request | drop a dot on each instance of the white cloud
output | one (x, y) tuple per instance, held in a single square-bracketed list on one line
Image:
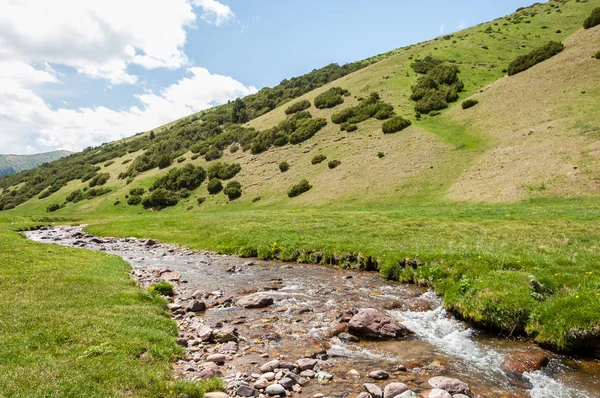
[(214, 12), (462, 25), (442, 28), (75, 129)]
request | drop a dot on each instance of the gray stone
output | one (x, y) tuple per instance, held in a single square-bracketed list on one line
[(364, 395), (228, 333), (307, 373), (453, 386), (231, 347), (373, 390), (287, 383), (216, 395), (437, 393), (306, 363), (216, 358), (270, 376), (270, 366), (460, 396), (409, 394), (246, 391), (196, 306), (297, 379), (372, 323), (261, 383), (393, 389), (204, 333), (323, 377), (256, 300), (275, 389), (379, 375)]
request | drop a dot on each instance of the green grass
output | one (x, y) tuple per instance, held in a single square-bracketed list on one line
[(481, 258), (73, 324)]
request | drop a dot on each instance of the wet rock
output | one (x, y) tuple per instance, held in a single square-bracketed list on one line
[(323, 377), (248, 264), (337, 330), (151, 242), (196, 306), (392, 304), (97, 240), (174, 307), (306, 363), (275, 389), (364, 395), (373, 390), (170, 276), (204, 333), (372, 323), (207, 373), (379, 375), (216, 358), (297, 379), (518, 363), (182, 342), (411, 394), (438, 393), (246, 391), (451, 385), (416, 305), (270, 366), (228, 333), (216, 395), (257, 300), (394, 389)]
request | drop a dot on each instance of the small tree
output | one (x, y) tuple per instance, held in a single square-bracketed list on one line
[(395, 124), (284, 166), (215, 186), (593, 19), (299, 188)]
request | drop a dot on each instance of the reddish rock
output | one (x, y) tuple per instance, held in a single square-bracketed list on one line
[(518, 363), (372, 323), (337, 330)]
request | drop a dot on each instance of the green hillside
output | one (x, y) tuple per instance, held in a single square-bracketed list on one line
[(11, 164), (493, 201)]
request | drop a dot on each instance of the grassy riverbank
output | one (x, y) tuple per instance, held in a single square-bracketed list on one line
[(73, 324)]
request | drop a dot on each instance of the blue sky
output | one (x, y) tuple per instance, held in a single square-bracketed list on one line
[(78, 73)]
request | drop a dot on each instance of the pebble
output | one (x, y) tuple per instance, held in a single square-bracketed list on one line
[(275, 389), (379, 375), (216, 358)]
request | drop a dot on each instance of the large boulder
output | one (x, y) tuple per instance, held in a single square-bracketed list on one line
[(257, 300), (518, 363), (453, 386), (372, 323), (373, 390), (394, 389)]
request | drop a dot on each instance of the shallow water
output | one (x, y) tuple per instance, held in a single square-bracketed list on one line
[(309, 298)]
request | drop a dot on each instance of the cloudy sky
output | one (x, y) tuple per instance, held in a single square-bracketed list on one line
[(77, 73)]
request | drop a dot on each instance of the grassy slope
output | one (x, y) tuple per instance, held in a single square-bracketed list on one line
[(73, 324), (480, 256)]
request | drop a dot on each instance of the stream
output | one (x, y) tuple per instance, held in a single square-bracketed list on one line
[(308, 303)]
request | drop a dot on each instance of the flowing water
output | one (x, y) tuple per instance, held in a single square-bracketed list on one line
[(308, 301)]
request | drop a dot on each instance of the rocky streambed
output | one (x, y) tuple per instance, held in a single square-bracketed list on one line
[(275, 329)]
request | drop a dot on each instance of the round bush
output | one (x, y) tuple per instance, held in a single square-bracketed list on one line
[(351, 127), (597, 55), (469, 103), (593, 19), (233, 190), (201, 200), (215, 186), (395, 124), (134, 200), (52, 207), (137, 191), (318, 159), (299, 188), (159, 199), (333, 164), (284, 166)]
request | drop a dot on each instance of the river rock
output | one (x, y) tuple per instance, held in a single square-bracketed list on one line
[(364, 395), (460, 396), (372, 323), (518, 363), (151, 242), (323, 377), (196, 306), (297, 379), (270, 366), (410, 394), (228, 333), (438, 393), (308, 373), (261, 383), (275, 389), (170, 276), (373, 390), (306, 363), (246, 391), (380, 375), (231, 347), (216, 358), (337, 330), (204, 333), (216, 395), (287, 383), (270, 376), (256, 300), (451, 385), (394, 389)]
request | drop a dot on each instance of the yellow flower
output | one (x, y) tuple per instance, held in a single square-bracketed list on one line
[(555, 274), (576, 297)]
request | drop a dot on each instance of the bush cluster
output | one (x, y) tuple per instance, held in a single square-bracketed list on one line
[(437, 88), (233, 190), (299, 189), (52, 207), (223, 171), (134, 200), (95, 192), (333, 164), (538, 55), (187, 177), (370, 107), (99, 179), (78, 195), (137, 191), (395, 124), (284, 166), (294, 130), (423, 66), (214, 186), (159, 199), (297, 107), (318, 159), (331, 98), (593, 19), (466, 104)]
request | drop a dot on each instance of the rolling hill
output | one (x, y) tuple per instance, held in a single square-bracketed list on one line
[(487, 200), (11, 164)]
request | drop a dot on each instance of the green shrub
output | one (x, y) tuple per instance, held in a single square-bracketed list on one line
[(233, 190), (163, 288), (187, 177), (201, 200), (466, 104), (424, 65), (159, 199), (395, 124), (593, 19), (94, 192), (215, 186), (234, 148), (126, 161), (181, 160), (366, 109), (380, 155), (307, 129), (437, 88), (333, 164), (541, 54), (110, 162), (331, 98), (284, 166), (164, 161), (52, 207), (299, 189), (223, 171), (213, 154), (350, 127), (75, 196), (117, 202), (134, 200), (318, 159), (297, 107), (99, 179), (597, 55), (137, 191)]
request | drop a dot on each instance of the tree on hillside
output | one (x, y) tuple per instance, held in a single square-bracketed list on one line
[(238, 112)]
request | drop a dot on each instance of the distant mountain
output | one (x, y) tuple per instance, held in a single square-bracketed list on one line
[(11, 164)]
